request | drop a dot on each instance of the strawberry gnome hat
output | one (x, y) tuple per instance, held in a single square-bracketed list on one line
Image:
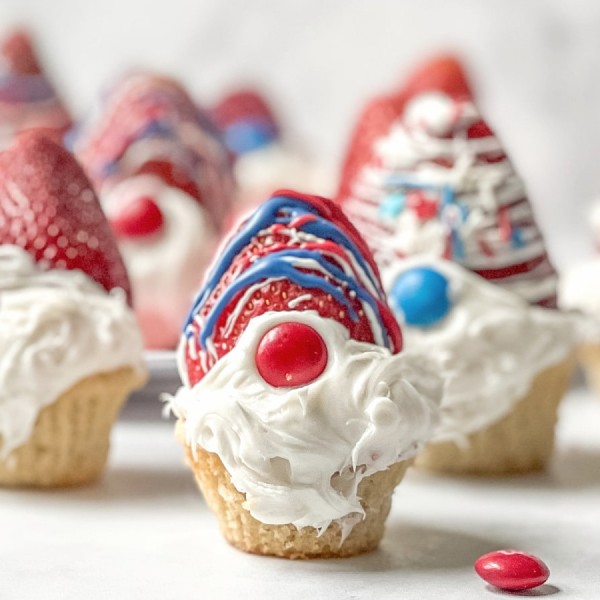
[(27, 98), (148, 124), (295, 252), (48, 207), (247, 121), (424, 160)]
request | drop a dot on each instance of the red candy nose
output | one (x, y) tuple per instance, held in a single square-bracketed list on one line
[(138, 218), (291, 355)]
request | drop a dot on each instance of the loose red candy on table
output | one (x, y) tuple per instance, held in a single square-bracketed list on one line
[(291, 354), (512, 570)]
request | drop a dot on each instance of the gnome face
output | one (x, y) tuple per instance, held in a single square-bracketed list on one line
[(310, 443), (166, 238), (166, 183)]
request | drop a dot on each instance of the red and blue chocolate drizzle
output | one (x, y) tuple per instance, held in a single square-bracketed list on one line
[(311, 266)]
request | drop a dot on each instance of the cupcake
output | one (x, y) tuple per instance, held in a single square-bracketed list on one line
[(27, 98), (163, 177), (506, 366), (299, 413), (265, 156), (69, 344), (425, 174)]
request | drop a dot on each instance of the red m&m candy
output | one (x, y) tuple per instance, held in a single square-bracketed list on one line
[(138, 218), (512, 570), (291, 354)]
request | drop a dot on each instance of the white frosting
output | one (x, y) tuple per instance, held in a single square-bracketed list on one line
[(56, 328), (579, 290), (165, 269), (490, 345), (429, 145), (299, 454)]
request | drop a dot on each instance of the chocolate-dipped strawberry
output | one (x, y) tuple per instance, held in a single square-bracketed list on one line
[(425, 174)]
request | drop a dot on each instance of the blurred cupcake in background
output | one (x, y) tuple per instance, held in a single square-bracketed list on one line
[(164, 179), (70, 347), (265, 157), (429, 185), (27, 98)]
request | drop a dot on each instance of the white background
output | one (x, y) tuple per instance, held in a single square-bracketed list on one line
[(536, 65), (144, 532)]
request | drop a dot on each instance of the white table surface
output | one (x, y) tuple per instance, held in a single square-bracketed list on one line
[(145, 532)]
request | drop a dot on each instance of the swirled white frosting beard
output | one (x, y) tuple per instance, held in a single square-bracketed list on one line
[(298, 454), (56, 328), (165, 268), (491, 345)]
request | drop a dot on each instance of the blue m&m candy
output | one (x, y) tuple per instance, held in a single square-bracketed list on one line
[(422, 296), (248, 135)]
